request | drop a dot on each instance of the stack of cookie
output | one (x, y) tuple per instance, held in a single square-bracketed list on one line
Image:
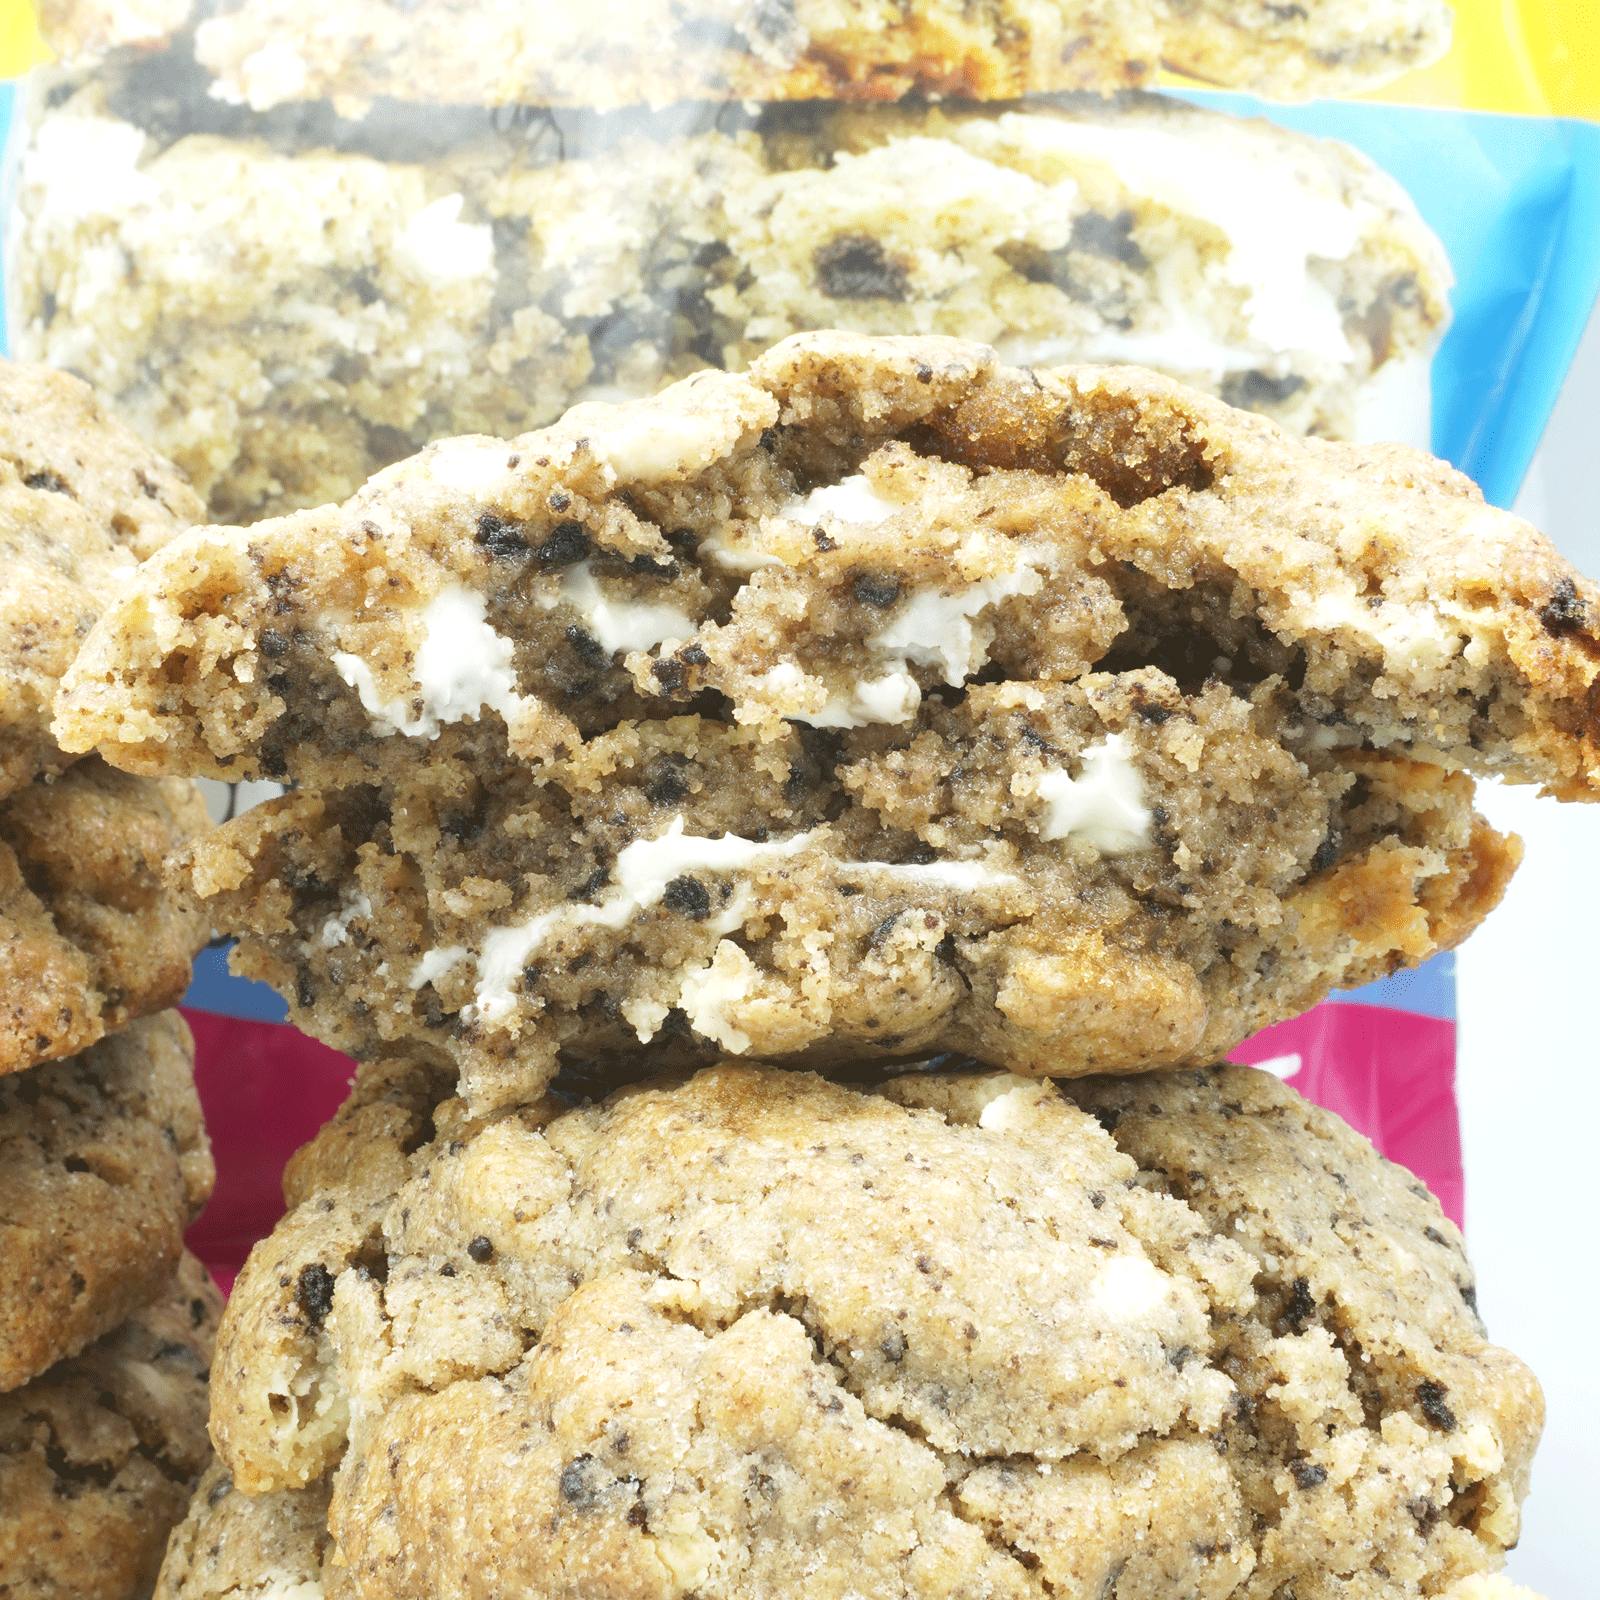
[(883, 703), (506, 231), (106, 1326)]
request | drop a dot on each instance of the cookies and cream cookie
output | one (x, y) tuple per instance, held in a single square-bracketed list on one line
[(104, 1162), (884, 696), (98, 1455), (1122, 877), (623, 52), (1186, 1327), (82, 500), (92, 934), (477, 282), (271, 1546)]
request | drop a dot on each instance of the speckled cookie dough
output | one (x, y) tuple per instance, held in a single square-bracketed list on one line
[(98, 1456), (81, 501), (234, 1546), (1040, 1336), (92, 935), (487, 286), (1147, 710), (623, 52), (1305, 50), (104, 1162), (690, 889)]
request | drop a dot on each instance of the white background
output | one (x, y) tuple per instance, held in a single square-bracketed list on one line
[(1529, 1076)]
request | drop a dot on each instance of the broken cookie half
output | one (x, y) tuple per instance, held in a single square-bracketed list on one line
[(881, 699)]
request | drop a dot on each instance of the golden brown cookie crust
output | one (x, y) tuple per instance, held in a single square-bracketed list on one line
[(97, 1456), (104, 1162), (81, 500), (1007, 1352), (93, 935)]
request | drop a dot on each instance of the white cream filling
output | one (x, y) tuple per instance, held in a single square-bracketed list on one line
[(435, 963), (925, 629), (709, 998), (1128, 1287), (1411, 635), (439, 248), (336, 930), (963, 876), (647, 445), (471, 469), (1009, 1106), (461, 666), (931, 629), (642, 873), (734, 549), (272, 74), (891, 698), (1103, 806), (1396, 403), (618, 624), (85, 167), (1273, 224), (852, 499)]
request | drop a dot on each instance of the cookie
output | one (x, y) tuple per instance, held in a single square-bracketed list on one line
[(251, 1547), (275, 52), (1299, 52), (104, 1162), (91, 933), (273, 1547), (81, 501), (97, 1456), (1072, 719), (486, 286), (1189, 1329), (688, 889)]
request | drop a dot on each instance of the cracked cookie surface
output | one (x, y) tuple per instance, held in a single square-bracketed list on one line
[(1007, 1357), (81, 501), (91, 932), (481, 284), (655, 727), (98, 1455), (104, 1162)]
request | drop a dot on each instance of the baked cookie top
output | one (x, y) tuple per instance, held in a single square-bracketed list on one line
[(269, 52), (1185, 1325), (92, 934), (81, 501), (98, 1455), (104, 1162)]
